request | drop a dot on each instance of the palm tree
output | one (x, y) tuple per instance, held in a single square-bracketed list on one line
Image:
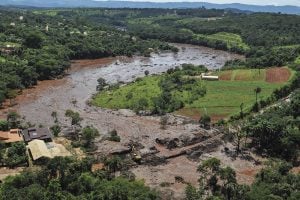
[(257, 91)]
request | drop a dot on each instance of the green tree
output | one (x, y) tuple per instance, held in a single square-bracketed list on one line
[(75, 117), (89, 133), (13, 119), (101, 84), (33, 40), (257, 91), (205, 121), (56, 129), (15, 155), (113, 164)]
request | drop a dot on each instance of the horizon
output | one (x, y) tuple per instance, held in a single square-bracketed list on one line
[(248, 2)]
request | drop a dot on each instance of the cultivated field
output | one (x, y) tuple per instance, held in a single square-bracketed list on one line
[(223, 98)]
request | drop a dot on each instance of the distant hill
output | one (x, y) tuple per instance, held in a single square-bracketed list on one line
[(132, 4)]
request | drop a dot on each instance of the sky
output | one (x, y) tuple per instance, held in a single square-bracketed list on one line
[(254, 2)]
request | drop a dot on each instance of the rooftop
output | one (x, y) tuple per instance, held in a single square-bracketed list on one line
[(37, 133)]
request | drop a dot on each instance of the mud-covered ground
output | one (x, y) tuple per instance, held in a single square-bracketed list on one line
[(73, 91)]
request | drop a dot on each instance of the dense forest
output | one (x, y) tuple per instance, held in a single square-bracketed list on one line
[(65, 178)]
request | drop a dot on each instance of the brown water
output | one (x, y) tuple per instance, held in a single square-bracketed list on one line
[(38, 103)]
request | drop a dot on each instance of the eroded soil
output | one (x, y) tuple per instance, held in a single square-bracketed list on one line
[(278, 75)]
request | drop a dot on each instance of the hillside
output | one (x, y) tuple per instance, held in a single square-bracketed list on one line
[(133, 4)]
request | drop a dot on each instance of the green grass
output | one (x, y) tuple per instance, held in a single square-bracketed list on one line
[(223, 98), (231, 39), (297, 61), (17, 45), (2, 59), (51, 13), (146, 88)]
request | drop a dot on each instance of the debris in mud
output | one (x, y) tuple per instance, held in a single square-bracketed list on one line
[(153, 160)]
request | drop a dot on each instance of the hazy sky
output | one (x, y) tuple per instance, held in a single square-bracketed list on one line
[(257, 2)]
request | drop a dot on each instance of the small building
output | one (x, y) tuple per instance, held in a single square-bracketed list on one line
[(209, 77), (14, 135), (39, 149), (37, 133)]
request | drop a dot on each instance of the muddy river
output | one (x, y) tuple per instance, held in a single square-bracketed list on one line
[(38, 103)]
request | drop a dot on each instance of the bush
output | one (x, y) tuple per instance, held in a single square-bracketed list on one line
[(114, 136), (205, 121), (16, 155), (4, 126), (55, 129)]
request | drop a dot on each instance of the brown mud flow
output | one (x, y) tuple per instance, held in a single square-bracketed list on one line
[(37, 103), (74, 91)]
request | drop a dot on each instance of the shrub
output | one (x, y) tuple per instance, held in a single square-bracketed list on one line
[(55, 129), (114, 136)]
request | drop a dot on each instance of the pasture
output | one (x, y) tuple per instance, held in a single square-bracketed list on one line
[(222, 100)]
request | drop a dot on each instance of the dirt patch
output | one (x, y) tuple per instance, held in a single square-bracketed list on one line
[(77, 152), (246, 169), (278, 75), (156, 176), (5, 172), (296, 170), (216, 118), (196, 114), (79, 64), (189, 112), (225, 76)]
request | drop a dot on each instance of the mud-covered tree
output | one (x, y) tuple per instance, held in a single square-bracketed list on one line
[(13, 119), (164, 122), (74, 116), (205, 121), (113, 136), (216, 182), (54, 116), (101, 84), (89, 133), (55, 129), (113, 164)]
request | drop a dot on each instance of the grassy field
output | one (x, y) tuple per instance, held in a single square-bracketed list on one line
[(120, 98), (51, 13), (223, 98), (231, 39)]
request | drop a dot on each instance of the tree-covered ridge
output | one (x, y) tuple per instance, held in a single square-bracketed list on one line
[(66, 178), (38, 47), (259, 31), (276, 132), (216, 182)]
